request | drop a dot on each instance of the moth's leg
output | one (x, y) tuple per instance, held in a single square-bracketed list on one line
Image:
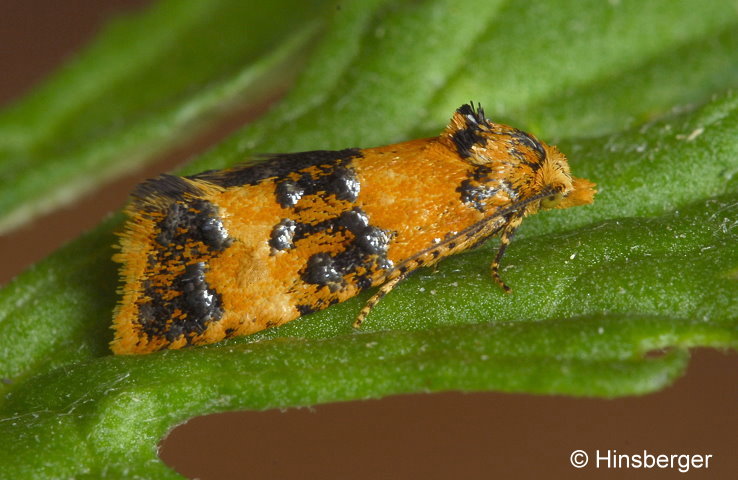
[(507, 234), (384, 289)]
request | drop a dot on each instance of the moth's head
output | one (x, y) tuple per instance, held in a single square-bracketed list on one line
[(553, 177), (564, 190), (533, 167)]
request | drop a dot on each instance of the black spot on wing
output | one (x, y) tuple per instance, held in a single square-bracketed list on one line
[(369, 239), (355, 220), (198, 305), (194, 221), (321, 269), (477, 189), (476, 194), (283, 235), (373, 240), (344, 184), (214, 234), (289, 192)]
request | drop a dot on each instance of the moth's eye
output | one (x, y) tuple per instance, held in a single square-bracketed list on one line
[(551, 201)]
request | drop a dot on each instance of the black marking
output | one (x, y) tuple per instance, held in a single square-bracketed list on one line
[(476, 190), (339, 181), (384, 263), (199, 303), (191, 233), (283, 234), (289, 193), (214, 234), (370, 239), (364, 252), (475, 123), (473, 115), (465, 139), (304, 230), (344, 184), (194, 221), (169, 226), (476, 194), (288, 229), (355, 220), (373, 240), (278, 166), (363, 281), (305, 309), (523, 138), (165, 186), (198, 299), (355, 257), (321, 270)]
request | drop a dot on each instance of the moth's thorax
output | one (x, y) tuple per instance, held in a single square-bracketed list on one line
[(509, 166)]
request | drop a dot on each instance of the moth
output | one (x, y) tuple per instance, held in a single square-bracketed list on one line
[(231, 252)]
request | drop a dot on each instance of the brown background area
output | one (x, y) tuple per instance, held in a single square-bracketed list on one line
[(483, 435)]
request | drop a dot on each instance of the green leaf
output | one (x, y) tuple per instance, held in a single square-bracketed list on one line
[(607, 298)]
